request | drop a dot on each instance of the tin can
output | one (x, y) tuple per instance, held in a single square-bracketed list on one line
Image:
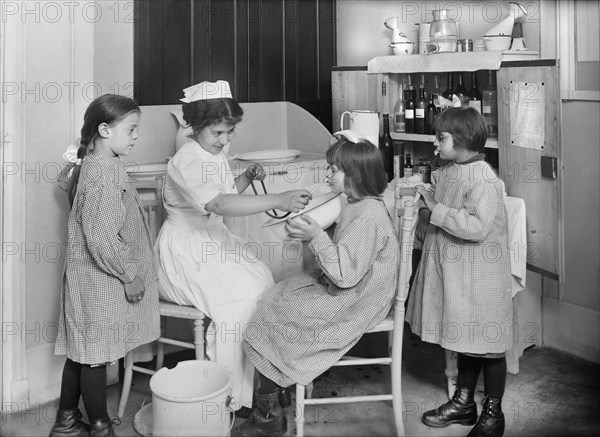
[(465, 45)]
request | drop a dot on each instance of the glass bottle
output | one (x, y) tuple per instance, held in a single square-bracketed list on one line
[(474, 94), (398, 160), (399, 122), (430, 114), (448, 96), (461, 91), (489, 105), (420, 106), (436, 92), (409, 107), (386, 147), (408, 167)]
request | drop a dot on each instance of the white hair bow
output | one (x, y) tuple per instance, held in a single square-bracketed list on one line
[(70, 155), (206, 91), (350, 135)]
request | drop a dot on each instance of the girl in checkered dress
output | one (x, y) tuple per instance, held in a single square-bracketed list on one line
[(461, 297), (306, 323), (109, 297)]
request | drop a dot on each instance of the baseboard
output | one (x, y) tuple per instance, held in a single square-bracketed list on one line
[(44, 371), (571, 328)]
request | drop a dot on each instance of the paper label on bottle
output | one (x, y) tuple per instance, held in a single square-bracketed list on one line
[(420, 112), (486, 109), (475, 104), (409, 114)]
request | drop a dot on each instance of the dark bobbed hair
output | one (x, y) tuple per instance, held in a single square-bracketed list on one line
[(109, 109), (203, 113), (363, 166), (466, 125)]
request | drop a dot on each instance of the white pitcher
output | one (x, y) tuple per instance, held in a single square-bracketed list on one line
[(363, 122)]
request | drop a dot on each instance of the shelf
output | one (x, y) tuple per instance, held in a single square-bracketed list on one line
[(491, 143)]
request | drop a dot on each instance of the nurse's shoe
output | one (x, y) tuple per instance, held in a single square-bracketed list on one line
[(68, 424), (267, 419), (460, 409)]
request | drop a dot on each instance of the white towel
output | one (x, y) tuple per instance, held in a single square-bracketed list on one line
[(517, 241), (440, 62)]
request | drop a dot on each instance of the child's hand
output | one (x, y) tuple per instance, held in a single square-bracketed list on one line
[(255, 172), (302, 228), (427, 195), (294, 200), (134, 290)]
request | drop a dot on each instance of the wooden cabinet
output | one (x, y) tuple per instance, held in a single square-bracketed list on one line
[(267, 50)]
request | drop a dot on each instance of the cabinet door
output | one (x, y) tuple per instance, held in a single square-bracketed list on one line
[(528, 106)]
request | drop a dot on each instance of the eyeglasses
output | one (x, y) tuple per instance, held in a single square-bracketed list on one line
[(332, 168), (441, 137)]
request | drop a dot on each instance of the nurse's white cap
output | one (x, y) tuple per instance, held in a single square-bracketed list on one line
[(206, 91)]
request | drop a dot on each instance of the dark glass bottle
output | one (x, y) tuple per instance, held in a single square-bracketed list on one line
[(474, 94), (430, 114), (461, 92), (409, 107), (489, 105), (420, 107), (448, 93), (398, 160), (386, 147), (408, 166)]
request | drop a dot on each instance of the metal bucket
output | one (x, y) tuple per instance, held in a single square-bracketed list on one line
[(191, 399)]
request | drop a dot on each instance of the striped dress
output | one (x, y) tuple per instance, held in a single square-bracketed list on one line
[(108, 244), (306, 323), (461, 297)]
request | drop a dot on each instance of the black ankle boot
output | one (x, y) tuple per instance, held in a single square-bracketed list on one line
[(103, 428), (285, 398), (491, 421), (267, 419), (68, 424), (460, 409)]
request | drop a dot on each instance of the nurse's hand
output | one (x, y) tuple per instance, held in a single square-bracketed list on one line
[(294, 200), (255, 172), (302, 228)]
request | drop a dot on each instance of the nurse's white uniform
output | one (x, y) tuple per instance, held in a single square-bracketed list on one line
[(201, 263)]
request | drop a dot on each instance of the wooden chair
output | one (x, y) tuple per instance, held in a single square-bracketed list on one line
[(393, 324), (150, 192)]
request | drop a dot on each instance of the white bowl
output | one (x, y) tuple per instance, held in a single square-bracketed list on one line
[(403, 47), (497, 42), (324, 209)]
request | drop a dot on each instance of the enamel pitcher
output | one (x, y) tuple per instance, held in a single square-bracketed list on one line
[(363, 122)]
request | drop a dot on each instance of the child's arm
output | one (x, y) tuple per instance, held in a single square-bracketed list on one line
[(347, 262), (103, 215), (474, 221)]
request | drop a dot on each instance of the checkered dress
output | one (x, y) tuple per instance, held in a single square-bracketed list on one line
[(108, 244), (461, 297), (306, 323)]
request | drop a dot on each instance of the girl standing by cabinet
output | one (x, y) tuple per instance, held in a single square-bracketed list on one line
[(461, 298)]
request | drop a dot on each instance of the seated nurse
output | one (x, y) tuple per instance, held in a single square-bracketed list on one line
[(200, 262)]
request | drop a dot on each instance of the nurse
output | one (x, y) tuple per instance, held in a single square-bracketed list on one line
[(200, 262)]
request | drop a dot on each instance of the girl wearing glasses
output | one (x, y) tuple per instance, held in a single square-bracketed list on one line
[(461, 297), (307, 322)]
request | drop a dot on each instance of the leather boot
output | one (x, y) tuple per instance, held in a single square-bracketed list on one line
[(102, 428), (285, 398), (68, 424), (491, 421), (460, 409), (267, 419)]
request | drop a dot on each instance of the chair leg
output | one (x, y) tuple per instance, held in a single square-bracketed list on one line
[(300, 389), (160, 346), (128, 365), (199, 338)]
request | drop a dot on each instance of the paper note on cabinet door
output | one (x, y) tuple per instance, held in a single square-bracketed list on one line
[(527, 115)]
